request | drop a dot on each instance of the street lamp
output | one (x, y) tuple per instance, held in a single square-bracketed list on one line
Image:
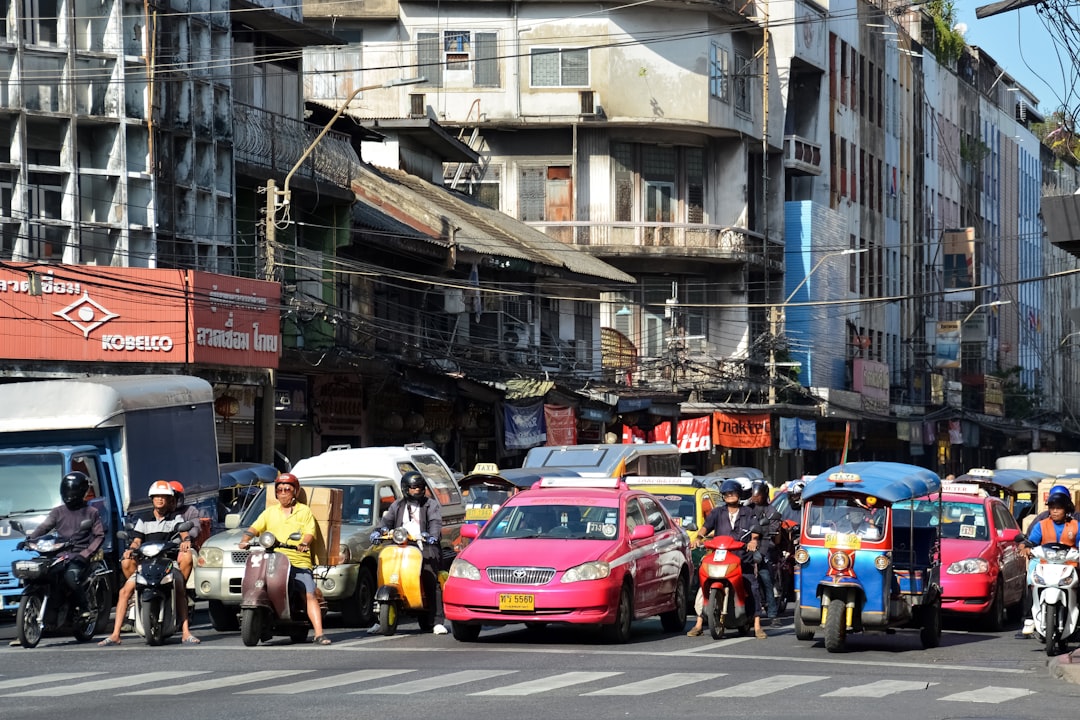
[(272, 193), (777, 314), (975, 309), (1064, 339)]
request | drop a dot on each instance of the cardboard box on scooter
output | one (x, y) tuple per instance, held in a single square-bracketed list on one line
[(325, 504)]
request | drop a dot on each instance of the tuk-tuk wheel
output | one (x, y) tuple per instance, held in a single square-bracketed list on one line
[(802, 632), (930, 633), (836, 626)]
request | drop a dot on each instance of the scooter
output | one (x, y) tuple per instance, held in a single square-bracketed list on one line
[(1054, 594), (726, 594), (47, 603), (402, 590), (155, 588), (270, 604)]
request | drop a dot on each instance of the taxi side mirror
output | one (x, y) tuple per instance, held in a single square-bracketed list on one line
[(689, 526), (642, 532), (470, 532), (1010, 534)]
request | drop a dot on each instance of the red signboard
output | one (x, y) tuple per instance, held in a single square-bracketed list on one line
[(83, 313), (741, 431)]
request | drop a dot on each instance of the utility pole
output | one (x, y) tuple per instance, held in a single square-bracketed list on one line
[(269, 268)]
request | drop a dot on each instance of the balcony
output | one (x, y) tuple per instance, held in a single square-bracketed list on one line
[(268, 140), (714, 243), (801, 157)]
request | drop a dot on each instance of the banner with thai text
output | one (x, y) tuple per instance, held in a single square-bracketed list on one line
[(741, 431), (561, 425), (523, 426)]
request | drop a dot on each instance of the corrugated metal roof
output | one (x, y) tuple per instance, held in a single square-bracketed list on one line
[(478, 228)]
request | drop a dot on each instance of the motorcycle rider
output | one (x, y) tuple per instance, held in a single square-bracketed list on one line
[(287, 517), (1059, 525), (738, 521), (769, 519), (66, 519), (422, 517), (160, 526)]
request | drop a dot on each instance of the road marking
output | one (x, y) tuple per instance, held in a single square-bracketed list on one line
[(765, 686), (822, 660), (881, 688), (214, 683), (554, 682), (105, 684), (462, 677), (714, 645), (39, 679), (323, 683), (989, 695), (656, 684)]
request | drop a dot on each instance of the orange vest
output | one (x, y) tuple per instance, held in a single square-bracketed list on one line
[(1068, 534)]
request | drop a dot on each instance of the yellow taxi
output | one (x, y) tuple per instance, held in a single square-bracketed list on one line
[(687, 500)]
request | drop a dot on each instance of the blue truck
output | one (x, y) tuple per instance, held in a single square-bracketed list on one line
[(124, 432)]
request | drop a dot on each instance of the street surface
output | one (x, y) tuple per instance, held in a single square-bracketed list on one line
[(564, 672)]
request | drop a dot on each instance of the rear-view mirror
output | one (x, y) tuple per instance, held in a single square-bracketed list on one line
[(470, 532), (232, 521), (642, 532)]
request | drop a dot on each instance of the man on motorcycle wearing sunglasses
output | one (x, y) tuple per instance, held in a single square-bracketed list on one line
[(422, 517), (288, 516)]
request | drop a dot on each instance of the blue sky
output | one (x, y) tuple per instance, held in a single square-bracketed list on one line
[(1036, 63)]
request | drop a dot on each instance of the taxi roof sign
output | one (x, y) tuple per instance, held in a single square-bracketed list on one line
[(962, 489), (608, 483), (486, 467), (656, 480), (981, 472), (845, 477)]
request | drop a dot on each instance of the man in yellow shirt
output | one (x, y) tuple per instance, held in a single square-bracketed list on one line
[(287, 517)]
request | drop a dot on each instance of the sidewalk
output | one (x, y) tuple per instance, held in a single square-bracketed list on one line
[(1066, 667)]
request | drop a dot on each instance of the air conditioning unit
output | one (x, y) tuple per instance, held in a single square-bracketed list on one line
[(417, 105), (515, 336), (454, 301)]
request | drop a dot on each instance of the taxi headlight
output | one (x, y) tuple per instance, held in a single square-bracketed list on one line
[(971, 566), (211, 557), (589, 571), (464, 569), (717, 572), (840, 561)]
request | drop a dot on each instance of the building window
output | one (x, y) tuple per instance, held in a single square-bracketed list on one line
[(744, 70), (486, 64), (429, 58), (559, 67), (545, 194), (658, 185), (719, 69), (40, 22), (457, 44)]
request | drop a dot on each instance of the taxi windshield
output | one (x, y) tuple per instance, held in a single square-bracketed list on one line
[(845, 515), (681, 508), (482, 501), (566, 521), (960, 520)]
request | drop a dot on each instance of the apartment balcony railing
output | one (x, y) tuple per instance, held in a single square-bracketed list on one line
[(715, 242), (801, 156), (273, 141)]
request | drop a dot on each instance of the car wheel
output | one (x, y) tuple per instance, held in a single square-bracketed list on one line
[(995, 616), (359, 611), (223, 618), (619, 631), (465, 632), (675, 619)]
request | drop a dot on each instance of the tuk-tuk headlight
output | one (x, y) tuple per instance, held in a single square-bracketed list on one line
[(464, 569), (881, 562), (840, 561), (802, 556), (211, 557), (971, 566)]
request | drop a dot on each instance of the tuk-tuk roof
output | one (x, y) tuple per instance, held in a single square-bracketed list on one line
[(1015, 479), (888, 481), (518, 477), (245, 473)]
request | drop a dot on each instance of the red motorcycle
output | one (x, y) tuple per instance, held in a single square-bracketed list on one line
[(725, 591)]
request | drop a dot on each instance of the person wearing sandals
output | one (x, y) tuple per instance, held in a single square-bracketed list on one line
[(287, 517)]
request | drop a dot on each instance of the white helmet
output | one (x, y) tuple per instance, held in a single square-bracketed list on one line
[(161, 487)]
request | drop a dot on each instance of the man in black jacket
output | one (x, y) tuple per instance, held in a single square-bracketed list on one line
[(769, 519)]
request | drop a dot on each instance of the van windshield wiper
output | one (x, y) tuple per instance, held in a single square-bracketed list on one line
[(28, 511)]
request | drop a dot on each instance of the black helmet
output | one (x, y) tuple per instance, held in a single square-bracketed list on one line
[(731, 486), (73, 489), (760, 487), (410, 480)]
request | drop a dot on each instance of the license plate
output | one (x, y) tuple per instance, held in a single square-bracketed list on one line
[(720, 554), (514, 601)]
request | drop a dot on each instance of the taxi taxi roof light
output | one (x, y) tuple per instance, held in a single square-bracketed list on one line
[(657, 480), (963, 489), (844, 477), (608, 483), (981, 472), (489, 468)]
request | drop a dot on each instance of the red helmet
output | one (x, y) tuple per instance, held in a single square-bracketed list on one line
[(176, 487), (288, 479)]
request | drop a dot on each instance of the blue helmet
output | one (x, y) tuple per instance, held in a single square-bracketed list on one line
[(731, 486), (1059, 495)]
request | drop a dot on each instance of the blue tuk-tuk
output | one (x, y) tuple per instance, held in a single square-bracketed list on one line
[(863, 565), (1016, 487)]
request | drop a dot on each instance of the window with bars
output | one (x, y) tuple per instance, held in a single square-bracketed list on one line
[(669, 180), (558, 67), (457, 51), (744, 71), (719, 71)]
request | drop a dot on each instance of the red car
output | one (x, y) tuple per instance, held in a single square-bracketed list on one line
[(982, 573), (572, 550)]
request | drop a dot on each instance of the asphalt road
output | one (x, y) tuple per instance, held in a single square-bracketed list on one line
[(563, 672)]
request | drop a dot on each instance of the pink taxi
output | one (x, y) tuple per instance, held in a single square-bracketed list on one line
[(571, 550), (982, 573)]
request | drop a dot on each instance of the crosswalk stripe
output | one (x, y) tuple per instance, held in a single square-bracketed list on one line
[(765, 686), (656, 684), (881, 688), (462, 677), (95, 685), (41, 679), (989, 695), (323, 683), (532, 687), (213, 683)]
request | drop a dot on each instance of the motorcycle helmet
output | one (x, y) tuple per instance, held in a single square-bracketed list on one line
[(176, 487), (759, 487), (1059, 495), (73, 489), (731, 486), (161, 487), (412, 480)]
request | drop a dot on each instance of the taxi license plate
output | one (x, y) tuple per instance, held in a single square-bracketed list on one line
[(514, 601), (720, 554)]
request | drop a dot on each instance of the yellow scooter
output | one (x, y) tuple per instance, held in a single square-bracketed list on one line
[(404, 588)]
